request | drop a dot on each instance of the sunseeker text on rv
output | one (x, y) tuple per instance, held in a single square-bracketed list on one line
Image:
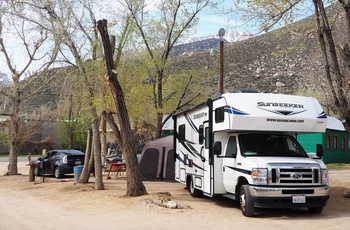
[(278, 104)]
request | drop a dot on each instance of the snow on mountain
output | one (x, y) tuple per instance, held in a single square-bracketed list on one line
[(199, 44), (235, 36), (230, 36)]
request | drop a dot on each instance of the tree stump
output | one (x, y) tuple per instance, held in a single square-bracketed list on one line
[(31, 176)]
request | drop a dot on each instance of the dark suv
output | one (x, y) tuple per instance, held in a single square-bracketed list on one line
[(59, 162)]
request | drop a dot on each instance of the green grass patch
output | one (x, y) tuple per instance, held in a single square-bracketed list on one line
[(338, 166), (20, 155)]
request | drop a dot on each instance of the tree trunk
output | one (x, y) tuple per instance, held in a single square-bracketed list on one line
[(31, 176), (12, 166), (71, 123), (103, 140), (159, 102), (159, 125), (91, 165), (85, 175), (97, 155), (14, 130), (135, 186)]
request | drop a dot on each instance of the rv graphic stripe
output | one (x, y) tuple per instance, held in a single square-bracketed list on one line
[(197, 166), (239, 170), (189, 120), (322, 115), (179, 158), (235, 111), (284, 112), (190, 149), (185, 163)]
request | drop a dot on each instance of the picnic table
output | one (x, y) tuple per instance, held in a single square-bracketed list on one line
[(117, 167)]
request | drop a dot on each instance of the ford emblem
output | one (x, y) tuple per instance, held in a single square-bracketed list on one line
[(296, 175)]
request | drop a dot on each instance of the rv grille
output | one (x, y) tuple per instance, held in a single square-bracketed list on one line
[(294, 174)]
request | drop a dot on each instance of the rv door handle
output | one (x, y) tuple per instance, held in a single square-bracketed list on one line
[(239, 164)]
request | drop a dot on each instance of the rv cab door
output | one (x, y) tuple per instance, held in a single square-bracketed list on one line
[(229, 164)]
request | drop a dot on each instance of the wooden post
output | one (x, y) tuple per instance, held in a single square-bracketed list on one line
[(31, 176)]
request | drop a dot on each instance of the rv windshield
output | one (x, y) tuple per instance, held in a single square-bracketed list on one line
[(270, 145)]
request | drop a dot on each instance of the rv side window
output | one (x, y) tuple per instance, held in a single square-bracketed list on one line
[(206, 136), (219, 115), (201, 134), (182, 133), (231, 150)]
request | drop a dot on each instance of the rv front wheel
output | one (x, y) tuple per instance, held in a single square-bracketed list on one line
[(246, 201), (193, 191), (315, 209)]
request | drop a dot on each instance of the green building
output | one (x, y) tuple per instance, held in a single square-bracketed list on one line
[(168, 127), (335, 142)]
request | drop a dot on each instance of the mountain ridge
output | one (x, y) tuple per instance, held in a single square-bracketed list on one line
[(207, 43)]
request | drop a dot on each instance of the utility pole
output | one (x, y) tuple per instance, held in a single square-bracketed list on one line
[(221, 76)]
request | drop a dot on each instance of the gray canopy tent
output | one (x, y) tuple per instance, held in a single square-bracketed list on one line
[(157, 160)]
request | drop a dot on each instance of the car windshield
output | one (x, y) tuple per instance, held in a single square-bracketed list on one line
[(270, 145)]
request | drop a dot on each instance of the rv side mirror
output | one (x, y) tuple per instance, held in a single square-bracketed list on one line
[(319, 150), (217, 148)]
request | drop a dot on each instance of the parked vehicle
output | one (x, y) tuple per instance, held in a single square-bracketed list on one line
[(59, 162), (242, 146)]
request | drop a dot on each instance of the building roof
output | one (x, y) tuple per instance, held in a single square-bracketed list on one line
[(334, 124)]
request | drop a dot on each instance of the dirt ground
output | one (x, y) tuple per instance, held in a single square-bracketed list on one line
[(59, 204)]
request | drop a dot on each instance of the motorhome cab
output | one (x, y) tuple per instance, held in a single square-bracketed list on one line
[(243, 146)]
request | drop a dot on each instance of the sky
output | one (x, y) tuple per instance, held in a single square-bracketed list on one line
[(210, 21), (209, 24)]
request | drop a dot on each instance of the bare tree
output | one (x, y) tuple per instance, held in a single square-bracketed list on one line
[(135, 186), (271, 13), (69, 30), (32, 47)]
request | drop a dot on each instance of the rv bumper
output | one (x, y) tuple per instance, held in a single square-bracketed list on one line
[(266, 197)]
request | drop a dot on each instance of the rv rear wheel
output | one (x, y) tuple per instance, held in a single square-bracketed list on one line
[(193, 191), (246, 201)]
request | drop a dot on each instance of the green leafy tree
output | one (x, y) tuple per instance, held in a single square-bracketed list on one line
[(73, 29), (159, 31)]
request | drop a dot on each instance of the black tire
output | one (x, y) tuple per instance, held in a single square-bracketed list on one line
[(245, 201), (58, 173), (315, 209), (193, 191)]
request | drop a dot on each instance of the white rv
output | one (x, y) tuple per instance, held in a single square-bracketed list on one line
[(243, 146)]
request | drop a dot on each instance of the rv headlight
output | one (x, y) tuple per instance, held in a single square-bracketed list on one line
[(324, 176), (259, 176)]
